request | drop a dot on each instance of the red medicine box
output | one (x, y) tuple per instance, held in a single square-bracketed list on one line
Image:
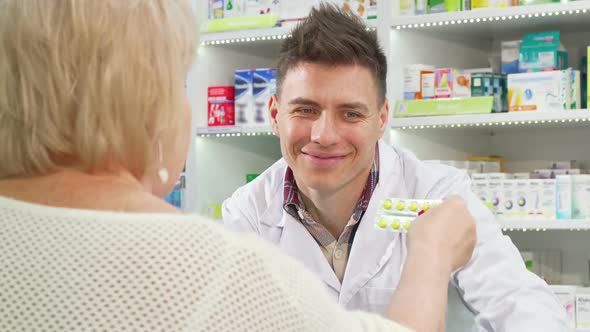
[(220, 106)]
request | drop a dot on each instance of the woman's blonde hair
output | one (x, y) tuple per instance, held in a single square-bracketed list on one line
[(90, 83)]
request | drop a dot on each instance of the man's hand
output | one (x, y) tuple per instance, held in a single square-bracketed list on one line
[(445, 233), (439, 242)]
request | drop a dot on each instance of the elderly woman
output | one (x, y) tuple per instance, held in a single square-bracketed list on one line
[(94, 129)]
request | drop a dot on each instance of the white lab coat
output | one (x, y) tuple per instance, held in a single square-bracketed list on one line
[(494, 285)]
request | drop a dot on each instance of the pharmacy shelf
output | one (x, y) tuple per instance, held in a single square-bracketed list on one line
[(490, 22), (234, 131), (545, 225), (276, 35), (493, 121)]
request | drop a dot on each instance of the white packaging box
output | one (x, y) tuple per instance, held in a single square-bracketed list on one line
[(564, 189), (263, 87), (478, 165), (523, 199), (244, 100), (473, 167), (567, 297), (495, 192), (462, 84), (427, 85), (535, 197), (547, 198), (576, 97), (581, 196), (510, 54), (583, 309), (547, 91), (508, 206), (481, 189), (412, 84), (491, 167)]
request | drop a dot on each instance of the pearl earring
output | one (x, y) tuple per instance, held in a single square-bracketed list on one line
[(163, 171)]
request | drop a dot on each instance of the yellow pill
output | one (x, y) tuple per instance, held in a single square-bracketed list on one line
[(425, 207), (387, 204), (413, 206), (395, 224), (382, 223), (407, 225), (400, 205)]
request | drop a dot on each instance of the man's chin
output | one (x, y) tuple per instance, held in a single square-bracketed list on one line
[(322, 184)]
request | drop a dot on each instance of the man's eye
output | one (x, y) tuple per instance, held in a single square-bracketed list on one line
[(306, 111), (352, 115)]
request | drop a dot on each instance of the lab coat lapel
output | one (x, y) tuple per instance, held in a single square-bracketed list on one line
[(298, 243)]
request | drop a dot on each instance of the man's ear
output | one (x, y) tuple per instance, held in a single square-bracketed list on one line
[(383, 116), (273, 109)]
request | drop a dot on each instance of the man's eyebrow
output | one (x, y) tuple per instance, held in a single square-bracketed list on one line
[(303, 101), (354, 105), (308, 102)]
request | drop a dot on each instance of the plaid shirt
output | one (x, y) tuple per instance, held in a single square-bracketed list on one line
[(335, 250)]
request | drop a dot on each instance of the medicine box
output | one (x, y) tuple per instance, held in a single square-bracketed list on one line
[(220, 106), (543, 91), (244, 103), (263, 87)]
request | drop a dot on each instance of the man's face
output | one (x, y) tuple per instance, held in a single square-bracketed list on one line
[(328, 120)]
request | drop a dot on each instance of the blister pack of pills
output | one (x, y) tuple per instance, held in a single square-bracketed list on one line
[(398, 214)]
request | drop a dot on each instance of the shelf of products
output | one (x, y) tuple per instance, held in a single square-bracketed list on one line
[(484, 122), (276, 35), (491, 21)]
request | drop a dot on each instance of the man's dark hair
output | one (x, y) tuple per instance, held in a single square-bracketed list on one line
[(328, 36)]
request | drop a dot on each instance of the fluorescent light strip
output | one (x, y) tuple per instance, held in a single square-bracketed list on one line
[(489, 19), (524, 229), (250, 39), (503, 123)]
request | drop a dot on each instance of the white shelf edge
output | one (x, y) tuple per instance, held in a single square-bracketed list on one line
[(243, 34), (492, 119), (231, 131), (492, 14), (545, 224)]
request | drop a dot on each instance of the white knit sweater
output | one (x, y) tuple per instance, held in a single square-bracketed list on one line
[(79, 270)]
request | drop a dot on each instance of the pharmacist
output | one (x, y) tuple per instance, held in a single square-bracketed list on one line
[(319, 203)]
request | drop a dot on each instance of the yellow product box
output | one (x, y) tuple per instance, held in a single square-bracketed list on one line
[(475, 4)]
